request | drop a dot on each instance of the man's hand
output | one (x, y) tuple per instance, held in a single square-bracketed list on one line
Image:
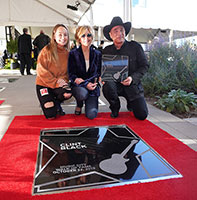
[(101, 81), (127, 81)]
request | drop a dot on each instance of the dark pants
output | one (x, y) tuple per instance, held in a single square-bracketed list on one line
[(91, 102), (46, 95), (112, 91), (25, 60)]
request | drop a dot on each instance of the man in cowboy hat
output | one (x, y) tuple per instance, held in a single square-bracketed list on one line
[(131, 88)]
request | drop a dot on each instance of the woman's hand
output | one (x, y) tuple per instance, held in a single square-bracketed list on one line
[(61, 82), (91, 86), (127, 81), (79, 81)]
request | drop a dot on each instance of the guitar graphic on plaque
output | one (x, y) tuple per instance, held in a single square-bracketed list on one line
[(116, 164)]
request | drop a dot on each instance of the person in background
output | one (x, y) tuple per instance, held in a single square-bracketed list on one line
[(24, 51), (73, 45), (41, 41), (84, 66), (52, 77), (130, 88), (100, 47), (5, 57)]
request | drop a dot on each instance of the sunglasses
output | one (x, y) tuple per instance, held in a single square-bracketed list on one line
[(88, 35)]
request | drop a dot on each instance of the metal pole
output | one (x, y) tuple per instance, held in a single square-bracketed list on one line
[(170, 36), (127, 10), (99, 36), (13, 32), (91, 17), (127, 14)]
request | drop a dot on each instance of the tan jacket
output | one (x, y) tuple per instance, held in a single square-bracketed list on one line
[(48, 71)]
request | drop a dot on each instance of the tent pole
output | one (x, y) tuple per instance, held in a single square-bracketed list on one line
[(127, 14)]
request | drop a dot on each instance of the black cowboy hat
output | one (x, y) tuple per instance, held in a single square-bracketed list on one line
[(116, 21)]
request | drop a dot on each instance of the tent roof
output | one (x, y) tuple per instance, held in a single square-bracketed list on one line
[(41, 12), (44, 14)]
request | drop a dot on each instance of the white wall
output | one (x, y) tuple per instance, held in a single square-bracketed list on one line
[(2, 39)]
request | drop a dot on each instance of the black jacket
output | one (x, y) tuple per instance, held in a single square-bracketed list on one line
[(24, 44), (77, 67), (138, 65), (41, 41)]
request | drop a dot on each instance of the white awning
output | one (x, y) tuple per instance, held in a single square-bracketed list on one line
[(42, 12)]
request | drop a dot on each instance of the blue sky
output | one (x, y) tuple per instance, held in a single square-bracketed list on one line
[(135, 2), (139, 3)]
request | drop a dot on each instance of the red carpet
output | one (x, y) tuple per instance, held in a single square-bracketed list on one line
[(18, 154), (1, 101)]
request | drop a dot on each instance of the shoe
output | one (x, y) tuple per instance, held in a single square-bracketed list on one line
[(114, 114), (29, 74), (129, 106), (129, 109), (78, 112), (61, 112)]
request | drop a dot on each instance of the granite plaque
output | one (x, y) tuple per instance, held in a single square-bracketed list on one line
[(94, 157), (114, 68)]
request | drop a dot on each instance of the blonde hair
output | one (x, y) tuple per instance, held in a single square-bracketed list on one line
[(81, 30), (52, 47)]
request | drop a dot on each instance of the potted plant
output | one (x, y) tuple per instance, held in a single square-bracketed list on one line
[(12, 47)]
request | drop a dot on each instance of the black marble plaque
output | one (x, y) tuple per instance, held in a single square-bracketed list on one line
[(114, 68), (93, 157)]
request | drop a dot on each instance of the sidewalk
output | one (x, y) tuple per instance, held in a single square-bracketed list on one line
[(20, 99)]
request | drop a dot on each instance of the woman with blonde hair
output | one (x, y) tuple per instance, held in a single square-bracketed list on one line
[(52, 76), (84, 66)]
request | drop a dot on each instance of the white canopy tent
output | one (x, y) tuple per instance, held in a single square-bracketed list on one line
[(43, 13), (149, 17)]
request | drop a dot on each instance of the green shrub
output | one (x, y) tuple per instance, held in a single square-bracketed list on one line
[(8, 63), (177, 101), (12, 46), (171, 67), (34, 64)]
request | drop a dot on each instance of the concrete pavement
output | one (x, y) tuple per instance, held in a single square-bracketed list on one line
[(20, 99)]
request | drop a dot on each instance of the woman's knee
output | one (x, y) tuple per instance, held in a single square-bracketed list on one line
[(67, 95), (80, 93), (50, 110)]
